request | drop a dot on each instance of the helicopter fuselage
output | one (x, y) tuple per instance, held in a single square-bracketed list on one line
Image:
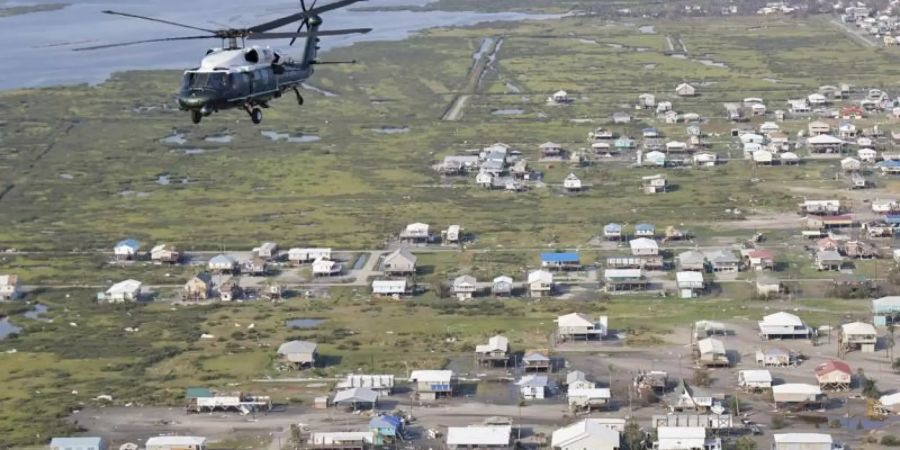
[(239, 78)]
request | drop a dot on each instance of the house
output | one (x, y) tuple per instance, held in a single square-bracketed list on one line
[(858, 335), (653, 158), (304, 255), (762, 157), (533, 387), (416, 233), (705, 159), (619, 280), (387, 429), (824, 143), (382, 384), (175, 443), (796, 394), (850, 164), (341, 440), (572, 183), (710, 352), (755, 380), (453, 234), (594, 434), (390, 288), (326, 268), (643, 247), (847, 130), (624, 143), (676, 146), (690, 284), (789, 158), (124, 291), (496, 350), (559, 98), (577, 326), (782, 325), (299, 354), (644, 230), (650, 133), (551, 150), (222, 264), (647, 101), (821, 207), (776, 357), (653, 184), (537, 361), (888, 404), (685, 438), (165, 253), (587, 399), (867, 155), (502, 286), (723, 261), (357, 398), (802, 441), (484, 179), (267, 250), (817, 99), (780, 115), (480, 437), (691, 260), (686, 398), (540, 283), (197, 288), (685, 90), (230, 290), (255, 266), (576, 379), (834, 375), (560, 261), (432, 384), (799, 106), (663, 107), (759, 259), (670, 117), (612, 231), (464, 287), (9, 287), (752, 138), (890, 166), (886, 311), (126, 249), (78, 443), (621, 117), (399, 262), (829, 260), (767, 286)]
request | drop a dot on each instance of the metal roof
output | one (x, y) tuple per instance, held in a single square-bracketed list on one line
[(797, 388), (756, 376), (711, 345), (297, 347), (560, 257), (77, 442), (574, 320), (356, 395), (681, 432), (802, 438), (431, 376), (176, 440), (479, 435)]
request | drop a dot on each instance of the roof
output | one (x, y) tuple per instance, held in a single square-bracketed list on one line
[(431, 376), (197, 392), (221, 259), (401, 253), (689, 277), (386, 421), (711, 345), (130, 243), (721, 256), (681, 432), (802, 438), (535, 356), (828, 255), (479, 435), (622, 273), (176, 440), (824, 139), (388, 286), (797, 388), (643, 243), (691, 256), (571, 434), (76, 442), (502, 279), (858, 328), (574, 320), (464, 279), (884, 303), (832, 366), (124, 287), (495, 343), (589, 393), (575, 375), (540, 275), (890, 399), (756, 376), (644, 227), (560, 257), (782, 318), (356, 395), (612, 227), (534, 381), (297, 347)]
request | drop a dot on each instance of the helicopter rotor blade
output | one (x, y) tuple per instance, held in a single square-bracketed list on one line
[(146, 41), (303, 34), (271, 25), (153, 19), (304, 22)]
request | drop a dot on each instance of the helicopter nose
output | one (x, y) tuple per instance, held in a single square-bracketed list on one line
[(192, 101)]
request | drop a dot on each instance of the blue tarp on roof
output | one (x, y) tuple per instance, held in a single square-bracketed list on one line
[(560, 257), (644, 227), (612, 227), (892, 219), (197, 392), (891, 163), (385, 422), (132, 243)]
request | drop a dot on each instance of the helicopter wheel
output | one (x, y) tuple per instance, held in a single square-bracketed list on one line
[(256, 115), (196, 116)]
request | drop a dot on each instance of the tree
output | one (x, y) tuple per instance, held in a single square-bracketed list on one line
[(702, 378), (633, 435), (745, 443), (896, 364), (870, 388)]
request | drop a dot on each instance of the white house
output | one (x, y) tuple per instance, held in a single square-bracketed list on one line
[(126, 249), (222, 263), (389, 287), (464, 287), (685, 90), (850, 164), (802, 441), (643, 247), (176, 443), (79, 443), (572, 183), (324, 267), (128, 290), (867, 155), (586, 398), (540, 283), (685, 438), (9, 287), (559, 97), (302, 255), (705, 159), (533, 386), (593, 434), (796, 393), (576, 326), (689, 283), (502, 286), (267, 250), (762, 157), (755, 379), (479, 437), (783, 325)]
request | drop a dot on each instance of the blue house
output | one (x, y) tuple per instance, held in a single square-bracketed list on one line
[(78, 443), (624, 143), (560, 260), (386, 428), (612, 231), (644, 230)]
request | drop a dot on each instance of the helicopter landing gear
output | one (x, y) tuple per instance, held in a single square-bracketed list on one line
[(299, 97), (256, 115), (196, 116)]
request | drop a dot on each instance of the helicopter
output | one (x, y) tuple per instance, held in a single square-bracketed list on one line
[(248, 77)]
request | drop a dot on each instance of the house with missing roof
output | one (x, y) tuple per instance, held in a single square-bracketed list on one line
[(299, 354)]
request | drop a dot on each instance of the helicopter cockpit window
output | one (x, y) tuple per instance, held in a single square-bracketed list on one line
[(204, 80)]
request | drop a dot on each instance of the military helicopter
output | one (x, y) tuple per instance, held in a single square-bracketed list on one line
[(236, 76)]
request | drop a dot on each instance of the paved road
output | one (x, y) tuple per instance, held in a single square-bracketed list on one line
[(856, 34)]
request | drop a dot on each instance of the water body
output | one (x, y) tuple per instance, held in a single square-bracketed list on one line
[(711, 63), (194, 151), (508, 112), (66, 176), (219, 139), (303, 323), (42, 43), (37, 313), (175, 139), (391, 130), (287, 137), (7, 328)]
